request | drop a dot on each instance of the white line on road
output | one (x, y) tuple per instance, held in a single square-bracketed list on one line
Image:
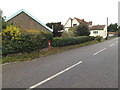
[(59, 73), (116, 42), (99, 51), (111, 45)]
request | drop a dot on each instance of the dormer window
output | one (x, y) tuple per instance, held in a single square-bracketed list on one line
[(74, 24)]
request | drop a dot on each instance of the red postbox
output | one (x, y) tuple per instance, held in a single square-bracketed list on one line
[(49, 45)]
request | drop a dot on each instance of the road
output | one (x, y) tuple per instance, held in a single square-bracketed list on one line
[(93, 66)]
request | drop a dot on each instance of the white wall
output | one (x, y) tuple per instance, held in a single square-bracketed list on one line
[(75, 22), (68, 23), (102, 33)]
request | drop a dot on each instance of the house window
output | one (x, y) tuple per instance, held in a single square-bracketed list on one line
[(74, 24), (95, 32)]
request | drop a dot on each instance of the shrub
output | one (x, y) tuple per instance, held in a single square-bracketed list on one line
[(27, 42), (98, 38), (81, 30), (10, 32), (68, 34), (64, 41)]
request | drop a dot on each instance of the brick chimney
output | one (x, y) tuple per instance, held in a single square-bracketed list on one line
[(90, 22)]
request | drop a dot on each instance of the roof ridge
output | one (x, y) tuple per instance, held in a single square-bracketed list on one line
[(82, 20), (97, 27), (22, 10)]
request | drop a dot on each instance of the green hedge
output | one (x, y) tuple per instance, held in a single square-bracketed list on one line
[(26, 43), (29, 42), (64, 41)]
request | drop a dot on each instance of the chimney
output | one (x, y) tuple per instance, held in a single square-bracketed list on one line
[(82, 19), (90, 22)]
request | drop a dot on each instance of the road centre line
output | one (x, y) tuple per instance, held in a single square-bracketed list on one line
[(99, 51), (111, 44), (59, 73)]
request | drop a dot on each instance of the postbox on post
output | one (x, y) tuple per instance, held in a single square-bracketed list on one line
[(49, 45)]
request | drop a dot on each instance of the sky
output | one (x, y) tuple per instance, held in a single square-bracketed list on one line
[(46, 11)]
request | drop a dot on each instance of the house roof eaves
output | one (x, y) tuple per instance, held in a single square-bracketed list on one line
[(22, 10)]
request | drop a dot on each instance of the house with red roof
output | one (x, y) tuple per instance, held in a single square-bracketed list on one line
[(98, 30), (71, 22), (95, 30)]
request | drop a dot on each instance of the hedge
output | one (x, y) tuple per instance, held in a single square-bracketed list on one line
[(64, 41), (26, 43)]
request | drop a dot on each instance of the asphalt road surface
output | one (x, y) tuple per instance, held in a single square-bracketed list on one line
[(93, 66)]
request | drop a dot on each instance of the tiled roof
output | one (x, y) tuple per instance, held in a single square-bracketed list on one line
[(22, 10), (112, 33), (82, 21), (97, 27)]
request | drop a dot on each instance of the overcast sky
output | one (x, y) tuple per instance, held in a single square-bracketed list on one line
[(46, 11)]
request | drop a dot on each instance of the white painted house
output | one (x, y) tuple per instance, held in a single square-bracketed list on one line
[(95, 30), (98, 30), (75, 22)]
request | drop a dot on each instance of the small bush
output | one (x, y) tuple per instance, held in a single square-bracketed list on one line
[(68, 34), (98, 38), (64, 41)]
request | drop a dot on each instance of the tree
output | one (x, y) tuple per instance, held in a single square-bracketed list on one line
[(3, 24), (112, 27), (56, 28), (82, 30)]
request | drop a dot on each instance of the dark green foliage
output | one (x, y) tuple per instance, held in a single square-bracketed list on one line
[(4, 24), (26, 43), (56, 28), (82, 30), (113, 27), (64, 41), (98, 38)]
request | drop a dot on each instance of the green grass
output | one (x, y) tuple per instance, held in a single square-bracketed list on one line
[(44, 52)]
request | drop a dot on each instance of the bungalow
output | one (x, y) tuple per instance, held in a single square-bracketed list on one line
[(75, 22), (24, 20), (111, 34), (98, 30)]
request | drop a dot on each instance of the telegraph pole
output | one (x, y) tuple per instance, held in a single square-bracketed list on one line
[(107, 29), (107, 21), (119, 13)]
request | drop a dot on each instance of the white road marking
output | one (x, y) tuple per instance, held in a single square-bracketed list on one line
[(111, 44), (99, 51), (116, 42), (59, 73)]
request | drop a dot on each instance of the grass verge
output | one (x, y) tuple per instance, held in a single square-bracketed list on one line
[(41, 53)]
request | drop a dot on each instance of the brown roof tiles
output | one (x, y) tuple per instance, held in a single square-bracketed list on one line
[(97, 27), (82, 21)]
